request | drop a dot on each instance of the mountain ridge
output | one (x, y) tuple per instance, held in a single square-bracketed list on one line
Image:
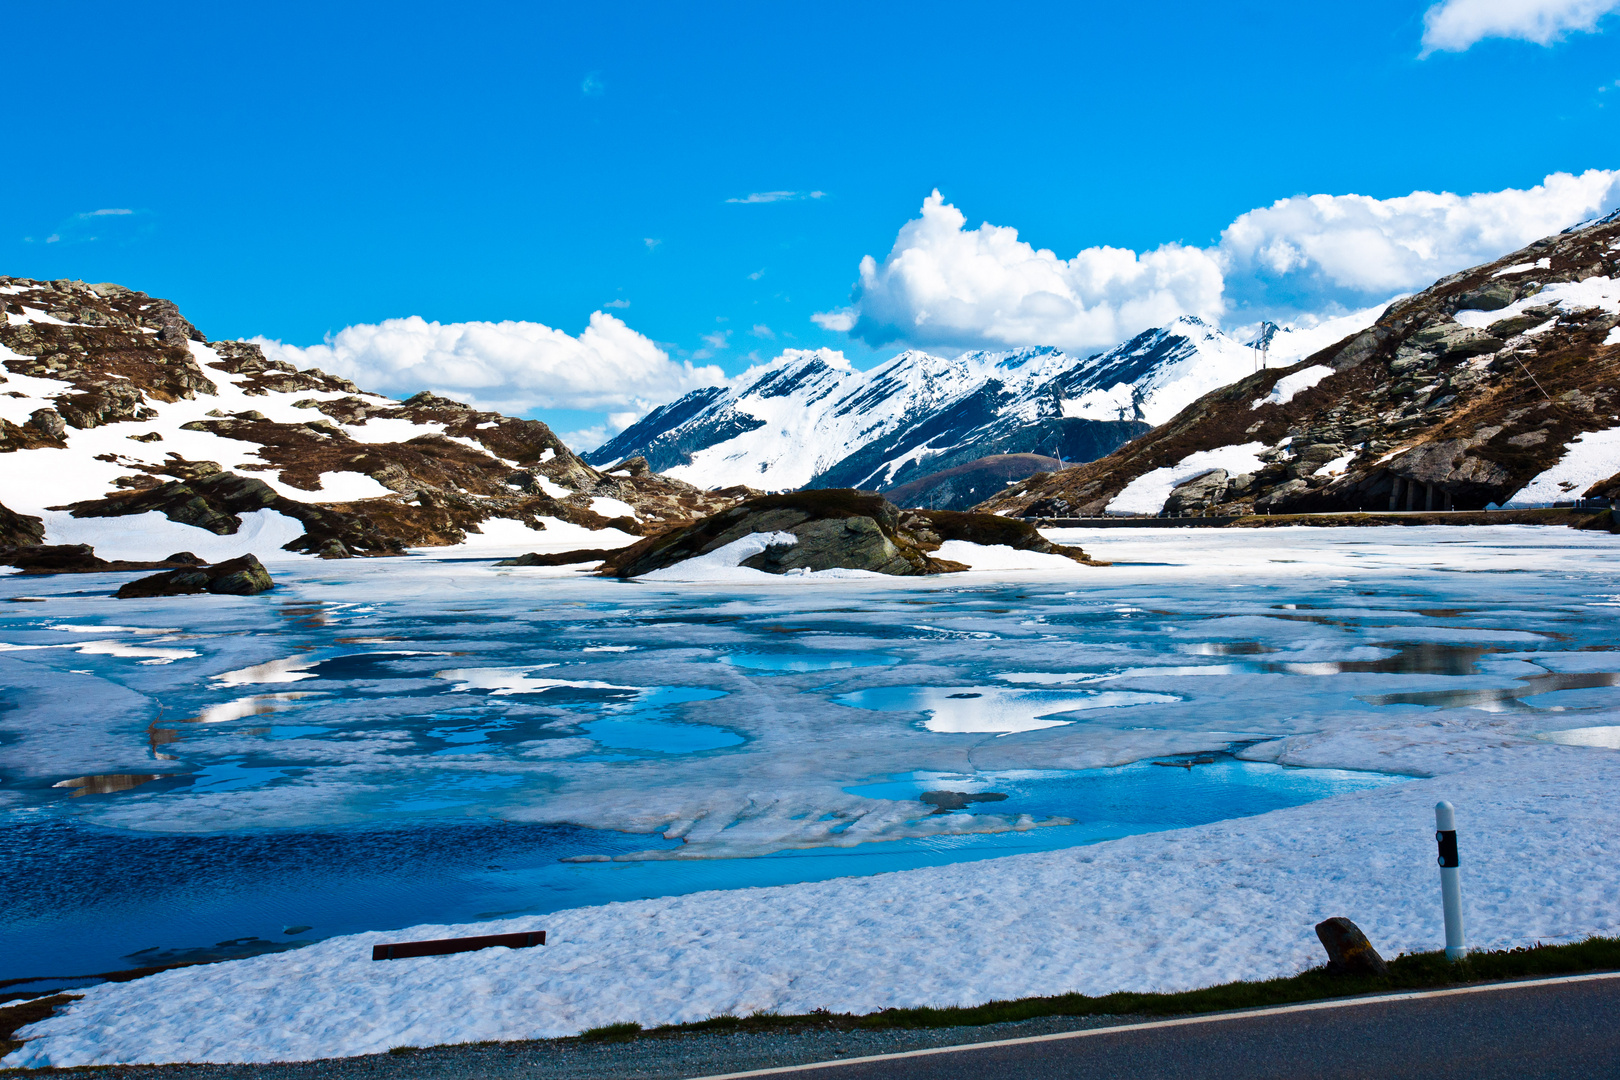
[(1496, 385), (809, 419)]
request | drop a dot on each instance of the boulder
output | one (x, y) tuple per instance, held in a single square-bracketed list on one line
[(20, 530), (834, 529), (1197, 493), (236, 577), (1349, 951), (48, 422), (857, 543), (1492, 297)]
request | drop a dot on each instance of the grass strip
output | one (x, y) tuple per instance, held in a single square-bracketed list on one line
[(1415, 971)]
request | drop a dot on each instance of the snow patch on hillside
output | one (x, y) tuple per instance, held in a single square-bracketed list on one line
[(1601, 293), (500, 537), (1587, 459), (1002, 557), (1289, 385), (1147, 493)]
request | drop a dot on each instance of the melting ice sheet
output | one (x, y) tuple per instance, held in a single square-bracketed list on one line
[(702, 736), (992, 708)]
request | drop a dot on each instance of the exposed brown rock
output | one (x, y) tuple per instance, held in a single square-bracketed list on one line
[(242, 576), (20, 530), (75, 559), (840, 528)]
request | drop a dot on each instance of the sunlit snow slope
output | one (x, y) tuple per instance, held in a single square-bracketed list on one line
[(810, 419)]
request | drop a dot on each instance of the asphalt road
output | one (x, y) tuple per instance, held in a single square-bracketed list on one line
[(1524, 1032)]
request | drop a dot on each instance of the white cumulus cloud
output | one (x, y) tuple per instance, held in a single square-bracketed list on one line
[(508, 366), (946, 286), (1314, 250), (1455, 25)]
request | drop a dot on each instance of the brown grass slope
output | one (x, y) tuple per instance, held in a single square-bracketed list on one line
[(961, 487), (1435, 415)]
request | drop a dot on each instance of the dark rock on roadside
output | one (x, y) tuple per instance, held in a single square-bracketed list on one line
[(1349, 951), (837, 529), (244, 576), (559, 558)]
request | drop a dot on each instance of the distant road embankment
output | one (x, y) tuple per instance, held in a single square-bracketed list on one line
[(1579, 519)]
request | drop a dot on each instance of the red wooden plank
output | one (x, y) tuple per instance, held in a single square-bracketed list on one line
[(445, 946)]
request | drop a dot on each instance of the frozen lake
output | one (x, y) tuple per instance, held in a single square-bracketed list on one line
[(382, 744)]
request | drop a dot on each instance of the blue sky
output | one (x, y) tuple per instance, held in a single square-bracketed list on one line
[(292, 170)]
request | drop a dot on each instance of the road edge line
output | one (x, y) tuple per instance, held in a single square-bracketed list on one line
[(1181, 1021)]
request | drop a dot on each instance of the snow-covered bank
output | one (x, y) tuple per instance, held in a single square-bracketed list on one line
[(1167, 911)]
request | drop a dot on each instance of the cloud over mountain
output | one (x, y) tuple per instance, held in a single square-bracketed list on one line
[(943, 285), (512, 366)]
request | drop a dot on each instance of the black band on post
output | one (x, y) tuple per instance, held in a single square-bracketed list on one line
[(1448, 847)]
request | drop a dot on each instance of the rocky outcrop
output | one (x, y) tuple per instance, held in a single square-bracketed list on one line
[(444, 468), (77, 559), (1419, 412), (841, 528), (207, 498), (20, 530), (244, 576)]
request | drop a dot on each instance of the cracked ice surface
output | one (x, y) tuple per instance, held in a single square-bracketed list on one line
[(1483, 661)]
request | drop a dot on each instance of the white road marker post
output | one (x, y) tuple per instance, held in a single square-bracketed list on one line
[(1445, 834)]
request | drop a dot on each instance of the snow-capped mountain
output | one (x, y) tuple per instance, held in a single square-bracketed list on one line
[(808, 419)]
